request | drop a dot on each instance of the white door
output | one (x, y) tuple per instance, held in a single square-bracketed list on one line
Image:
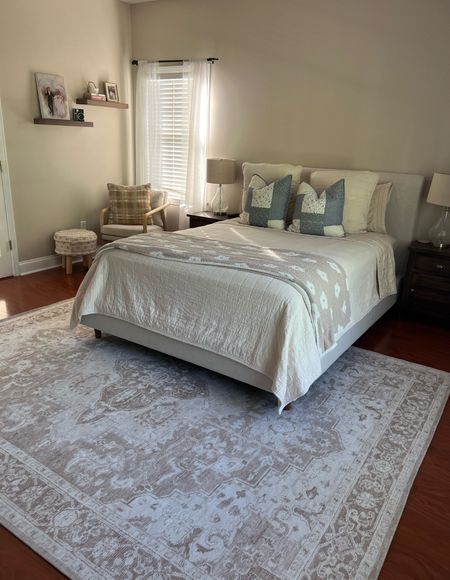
[(6, 265)]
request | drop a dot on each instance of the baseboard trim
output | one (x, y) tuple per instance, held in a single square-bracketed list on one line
[(40, 264)]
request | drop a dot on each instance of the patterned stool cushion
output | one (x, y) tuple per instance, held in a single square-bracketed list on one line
[(75, 242)]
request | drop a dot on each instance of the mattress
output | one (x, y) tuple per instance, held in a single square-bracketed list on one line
[(255, 320)]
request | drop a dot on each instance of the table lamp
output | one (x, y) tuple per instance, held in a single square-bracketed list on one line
[(220, 171), (439, 194)]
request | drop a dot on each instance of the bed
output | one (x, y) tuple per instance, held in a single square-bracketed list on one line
[(246, 324)]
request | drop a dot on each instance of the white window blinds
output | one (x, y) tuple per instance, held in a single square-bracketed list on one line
[(173, 120)]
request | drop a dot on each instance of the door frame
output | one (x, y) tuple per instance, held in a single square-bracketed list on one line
[(7, 194)]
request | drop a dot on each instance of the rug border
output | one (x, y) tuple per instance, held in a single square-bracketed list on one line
[(377, 354), (26, 313), (440, 405), (37, 545)]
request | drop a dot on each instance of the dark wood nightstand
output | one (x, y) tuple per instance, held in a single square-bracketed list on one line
[(426, 287), (203, 218)]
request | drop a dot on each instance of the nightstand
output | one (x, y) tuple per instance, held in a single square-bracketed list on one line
[(426, 287), (203, 218)]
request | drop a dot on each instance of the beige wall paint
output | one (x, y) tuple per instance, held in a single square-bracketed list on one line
[(58, 174), (351, 84)]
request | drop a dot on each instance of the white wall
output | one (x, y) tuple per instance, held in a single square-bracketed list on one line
[(354, 83), (58, 174)]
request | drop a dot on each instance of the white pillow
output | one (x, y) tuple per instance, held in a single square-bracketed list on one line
[(377, 210), (359, 188), (273, 172)]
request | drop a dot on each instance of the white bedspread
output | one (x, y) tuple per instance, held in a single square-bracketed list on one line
[(256, 320)]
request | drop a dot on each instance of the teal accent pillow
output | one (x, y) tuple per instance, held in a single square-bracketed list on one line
[(266, 204), (319, 215)]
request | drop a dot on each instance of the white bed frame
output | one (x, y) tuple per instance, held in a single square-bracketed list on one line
[(401, 220)]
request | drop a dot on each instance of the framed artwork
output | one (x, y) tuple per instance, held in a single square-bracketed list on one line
[(112, 92), (52, 95)]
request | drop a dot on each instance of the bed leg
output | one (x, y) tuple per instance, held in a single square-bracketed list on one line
[(98, 333), (288, 407)]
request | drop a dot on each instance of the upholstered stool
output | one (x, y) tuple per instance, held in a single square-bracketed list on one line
[(75, 242)]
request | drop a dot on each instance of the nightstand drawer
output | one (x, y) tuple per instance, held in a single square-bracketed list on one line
[(430, 294), (426, 288), (434, 265)]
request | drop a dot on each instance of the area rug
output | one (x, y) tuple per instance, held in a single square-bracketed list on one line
[(119, 462)]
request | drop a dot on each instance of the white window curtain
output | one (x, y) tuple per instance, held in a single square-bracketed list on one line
[(172, 127)]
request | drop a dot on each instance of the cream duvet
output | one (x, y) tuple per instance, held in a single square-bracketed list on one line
[(260, 321)]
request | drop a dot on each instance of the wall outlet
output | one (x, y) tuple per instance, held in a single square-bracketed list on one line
[(83, 224)]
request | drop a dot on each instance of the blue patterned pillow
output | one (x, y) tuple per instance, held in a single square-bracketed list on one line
[(266, 204), (319, 215)]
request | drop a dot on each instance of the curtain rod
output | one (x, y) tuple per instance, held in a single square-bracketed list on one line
[(210, 59)]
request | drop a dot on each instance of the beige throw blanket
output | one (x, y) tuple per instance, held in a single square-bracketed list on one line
[(321, 281)]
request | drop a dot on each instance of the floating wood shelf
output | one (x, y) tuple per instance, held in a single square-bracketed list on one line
[(66, 122), (110, 104)]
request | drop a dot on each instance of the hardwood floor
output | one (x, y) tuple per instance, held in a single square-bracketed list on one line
[(420, 549), (40, 289)]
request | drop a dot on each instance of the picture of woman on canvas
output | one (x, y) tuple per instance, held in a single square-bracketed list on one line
[(53, 100)]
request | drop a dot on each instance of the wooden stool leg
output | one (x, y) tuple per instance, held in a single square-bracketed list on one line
[(98, 333), (69, 264), (63, 262), (87, 261)]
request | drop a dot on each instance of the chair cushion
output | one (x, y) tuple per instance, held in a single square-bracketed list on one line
[(128, 203), (123, 231)]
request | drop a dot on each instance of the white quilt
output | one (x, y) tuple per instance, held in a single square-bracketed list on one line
[(256, 320)]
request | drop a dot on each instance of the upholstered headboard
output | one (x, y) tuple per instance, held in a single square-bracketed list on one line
[(403, 209), (402, 212)]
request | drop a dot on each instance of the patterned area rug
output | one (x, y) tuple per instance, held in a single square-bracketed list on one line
[(119, 462)]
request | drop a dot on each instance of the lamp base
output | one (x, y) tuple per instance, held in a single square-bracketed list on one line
[(440, 232), (218, 203)]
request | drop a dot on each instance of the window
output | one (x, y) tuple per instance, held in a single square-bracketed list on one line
[(172, 127)]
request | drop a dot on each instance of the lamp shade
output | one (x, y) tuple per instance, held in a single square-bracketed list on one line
[(220, 171), (439, 193)]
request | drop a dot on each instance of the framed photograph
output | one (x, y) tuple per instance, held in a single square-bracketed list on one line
[(112, 92), (52, 95)]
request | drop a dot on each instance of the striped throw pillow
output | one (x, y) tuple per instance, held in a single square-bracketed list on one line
[(128, 203)]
